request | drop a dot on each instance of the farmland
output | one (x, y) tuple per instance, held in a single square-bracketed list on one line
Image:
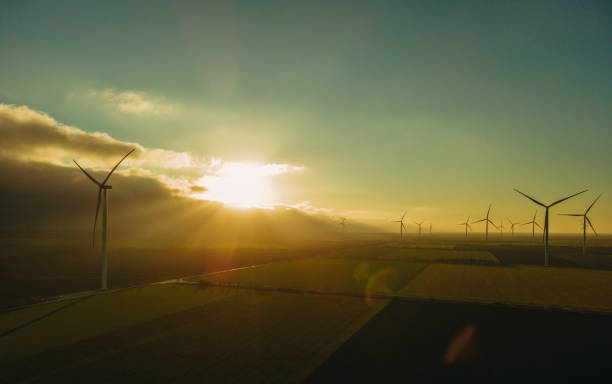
[(437, 309)]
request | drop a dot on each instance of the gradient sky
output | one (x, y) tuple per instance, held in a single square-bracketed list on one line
[(438, 108)]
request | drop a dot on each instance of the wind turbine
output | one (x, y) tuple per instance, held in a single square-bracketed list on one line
[(501, 228), (342, 223), (585, 221), (419, 224), (102, 188), (533, 223), (487, 221), (430, 225), (467, 225), (512, 225), (402, 226), (546, 228)]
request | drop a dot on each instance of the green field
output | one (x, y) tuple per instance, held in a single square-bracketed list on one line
[(440, 255), (179, 332), (39, 327), (269, 322), (328, 275), (416, 253), (570, 288)]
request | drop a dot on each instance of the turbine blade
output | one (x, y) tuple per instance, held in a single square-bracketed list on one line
[(565, 198), (570, 214), (116, 165), (93, 241), (530, 198), (87, 174), (478, 221), (488, 210), (404, 214), (492, 223), (592, 204), (591, 225), (538, 225)]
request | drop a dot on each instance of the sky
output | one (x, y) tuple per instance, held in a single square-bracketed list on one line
[(354, 109)]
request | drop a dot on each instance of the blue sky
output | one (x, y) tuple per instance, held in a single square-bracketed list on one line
[(434, 107)]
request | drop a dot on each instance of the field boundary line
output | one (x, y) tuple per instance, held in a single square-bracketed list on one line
[(404, 297)]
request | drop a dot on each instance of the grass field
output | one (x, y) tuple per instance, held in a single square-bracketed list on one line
[(571, 288), (416, 253), (34, 329), (441, 255), (216, 336), (277, 328), (323, 275)]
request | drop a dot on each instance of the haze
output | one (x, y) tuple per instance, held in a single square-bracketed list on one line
[(361, 112)]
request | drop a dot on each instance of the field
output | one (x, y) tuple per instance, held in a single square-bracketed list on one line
[(322, 275), (193, 332), (382, 309), (568, 288)]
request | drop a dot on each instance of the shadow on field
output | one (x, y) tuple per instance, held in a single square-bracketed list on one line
[(561, 256), (46, 315), (425, 341)]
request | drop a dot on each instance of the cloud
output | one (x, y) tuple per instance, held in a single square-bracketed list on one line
[(307, 207), (134, 102), (33, 136), (279, 169), (43, 193)]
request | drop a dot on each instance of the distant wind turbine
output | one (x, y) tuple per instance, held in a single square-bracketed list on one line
[(512, 225), (102, 188), (342, 223), (585, 221), (467, 225), (546, 227), (402, 226), (533, 223), (430, 225), (487, 220), (419, 224), (501, 228)]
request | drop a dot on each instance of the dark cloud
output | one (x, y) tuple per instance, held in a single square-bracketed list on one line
[(46, 200), (197, 189), (28, 133), (41, 196)]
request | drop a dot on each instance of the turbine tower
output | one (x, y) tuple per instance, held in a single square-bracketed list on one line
[(467, 225), (102, 197), (533, 223), (342, 223), (546, 228), (487, 220), (512, 225), (430, 225), (501, 228), (402, 226), (419, 224), (585, 221)]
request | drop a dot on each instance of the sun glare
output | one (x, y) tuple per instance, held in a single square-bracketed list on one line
[(239, 185)]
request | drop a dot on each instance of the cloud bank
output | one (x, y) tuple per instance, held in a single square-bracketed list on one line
[(33, 136)]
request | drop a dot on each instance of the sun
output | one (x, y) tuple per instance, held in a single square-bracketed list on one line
[(240, 185)]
